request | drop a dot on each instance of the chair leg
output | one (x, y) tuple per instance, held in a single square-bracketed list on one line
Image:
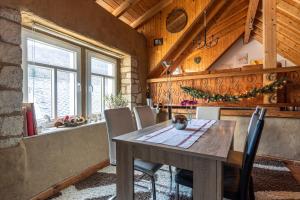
[(171, 178), (177, 192), (251, 189), (153, 187)]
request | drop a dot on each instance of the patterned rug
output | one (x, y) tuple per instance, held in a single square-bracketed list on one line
[(272, 181)]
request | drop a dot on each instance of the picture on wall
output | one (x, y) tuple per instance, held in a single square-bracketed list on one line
[(242, 59)]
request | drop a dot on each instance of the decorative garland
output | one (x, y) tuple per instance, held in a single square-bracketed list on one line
[(267, 89)]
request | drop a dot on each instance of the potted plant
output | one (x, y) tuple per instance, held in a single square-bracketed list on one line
[(115, 101)]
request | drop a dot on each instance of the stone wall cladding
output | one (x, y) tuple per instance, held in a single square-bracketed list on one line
[(11, 78), (130, 83)]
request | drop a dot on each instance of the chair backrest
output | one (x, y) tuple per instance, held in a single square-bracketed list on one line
[(118, 122), (249, 155), (144, 116), (251, 126), (212, 113)]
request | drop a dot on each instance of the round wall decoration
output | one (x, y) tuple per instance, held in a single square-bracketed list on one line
[(176, 20)]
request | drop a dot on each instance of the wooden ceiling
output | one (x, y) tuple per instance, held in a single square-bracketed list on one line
[(134, 12), (146, 15)]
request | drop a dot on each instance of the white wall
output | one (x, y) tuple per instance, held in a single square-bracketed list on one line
[(254, 50)]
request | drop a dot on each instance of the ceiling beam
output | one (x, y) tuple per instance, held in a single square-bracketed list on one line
[(269, 34), (252, 8), (124, 7), (150, 13)]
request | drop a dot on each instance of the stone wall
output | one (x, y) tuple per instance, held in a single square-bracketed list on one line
[(11, 76), (130, 83)]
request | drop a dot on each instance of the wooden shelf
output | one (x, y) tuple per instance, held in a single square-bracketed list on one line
[(273, 111)]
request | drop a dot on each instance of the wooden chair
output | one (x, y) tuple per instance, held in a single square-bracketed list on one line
[(238, 183), (212, 113), (119, 121)]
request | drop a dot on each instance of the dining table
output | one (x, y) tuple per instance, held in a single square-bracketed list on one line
[(205, 157)]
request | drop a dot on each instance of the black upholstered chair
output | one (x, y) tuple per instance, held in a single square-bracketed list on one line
[(120, 121), (238, 183)]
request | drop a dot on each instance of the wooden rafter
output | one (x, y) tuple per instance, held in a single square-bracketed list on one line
[(269, 33), (124, 7), (150, 13), (252, 8)]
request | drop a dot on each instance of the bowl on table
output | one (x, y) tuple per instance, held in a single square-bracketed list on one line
[(180, 122)]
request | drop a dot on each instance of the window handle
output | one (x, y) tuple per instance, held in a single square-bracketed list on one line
[(79, 87), (91, 88)]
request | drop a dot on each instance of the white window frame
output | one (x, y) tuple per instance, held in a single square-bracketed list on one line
[(29, 34), (89, 55)]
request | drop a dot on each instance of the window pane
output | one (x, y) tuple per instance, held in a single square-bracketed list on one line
[(109, 86), (40, 83), (49, 54), (97, 94), (66, 93), (102, 67)]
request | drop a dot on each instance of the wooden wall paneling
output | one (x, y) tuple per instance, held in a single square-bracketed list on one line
[(291, 8), (183, 49), (288, 33), (283, 49), (232, 23), (232, 7), (171, 40), (285, 45), (105, 5), (150, 13), (253, 4), (124, 7), (230, 83), (209, 56), (293, 87), (287, 19)]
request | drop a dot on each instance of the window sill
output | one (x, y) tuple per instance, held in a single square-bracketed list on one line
[(63, 129)]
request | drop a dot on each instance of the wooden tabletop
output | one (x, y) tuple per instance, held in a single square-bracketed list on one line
[(214, 144)]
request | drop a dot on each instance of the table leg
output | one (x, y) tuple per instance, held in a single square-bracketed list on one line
[(207, 179), (124, 172)]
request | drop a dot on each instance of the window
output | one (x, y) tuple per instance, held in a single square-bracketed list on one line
[(101, 80), (51, 75)]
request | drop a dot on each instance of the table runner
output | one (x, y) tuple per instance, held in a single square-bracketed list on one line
[(179, 138)]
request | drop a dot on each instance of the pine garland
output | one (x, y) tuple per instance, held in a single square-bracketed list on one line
[(267, 89)]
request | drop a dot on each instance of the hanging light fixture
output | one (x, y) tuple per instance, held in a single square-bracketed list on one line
[(200, 43)]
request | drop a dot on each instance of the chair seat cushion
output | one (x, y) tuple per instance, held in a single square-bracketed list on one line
[(184, 177), (146, 167)]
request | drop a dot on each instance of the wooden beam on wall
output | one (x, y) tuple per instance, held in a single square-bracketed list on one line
[(269, 34), (124, 7), (269, 41), (253, 4), (150, 13)]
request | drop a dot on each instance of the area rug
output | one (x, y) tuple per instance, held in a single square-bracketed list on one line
[(272, 181)]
